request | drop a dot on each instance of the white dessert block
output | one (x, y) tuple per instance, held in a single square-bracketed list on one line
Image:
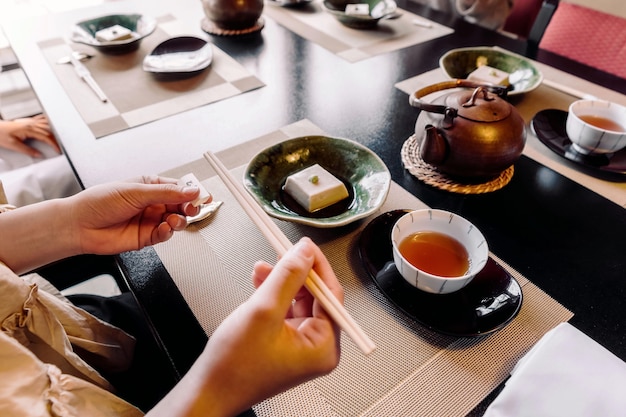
[(192, 180), (114, 33), (487, 74), (362, 9), (315, 188)]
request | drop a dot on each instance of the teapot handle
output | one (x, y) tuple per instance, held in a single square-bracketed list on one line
[(450, 112)]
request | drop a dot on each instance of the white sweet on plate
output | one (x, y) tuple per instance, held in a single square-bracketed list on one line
[(487, 74), (114, 33), (362, 9), (315, 188), (191, 180)]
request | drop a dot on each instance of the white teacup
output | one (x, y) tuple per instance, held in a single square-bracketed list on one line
[(596, 126), (452, 225)]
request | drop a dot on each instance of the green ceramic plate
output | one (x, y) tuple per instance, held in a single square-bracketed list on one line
[(365, 175), (379, 9), (140, 26), (524, 76)]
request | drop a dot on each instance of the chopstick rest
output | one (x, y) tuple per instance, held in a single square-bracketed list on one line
[(206, 211), (192, 180)]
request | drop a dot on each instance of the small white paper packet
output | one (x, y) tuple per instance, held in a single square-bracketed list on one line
[(565, 374)]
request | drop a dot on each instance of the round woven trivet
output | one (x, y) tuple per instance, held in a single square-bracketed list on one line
[(211, 28), (427, 173)]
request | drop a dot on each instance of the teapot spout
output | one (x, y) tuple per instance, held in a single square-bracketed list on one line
[(434, 148)]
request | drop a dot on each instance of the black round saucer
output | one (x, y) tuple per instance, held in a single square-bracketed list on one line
[(549, 127), (488, 303)]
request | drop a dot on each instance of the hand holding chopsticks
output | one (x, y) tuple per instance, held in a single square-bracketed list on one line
[(281, 244)]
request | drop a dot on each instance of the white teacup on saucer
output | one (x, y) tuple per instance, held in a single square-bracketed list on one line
[(453, 226), (596, 126)]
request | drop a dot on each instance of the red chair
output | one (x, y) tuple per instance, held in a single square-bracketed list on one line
[(528, 20), (588, 36), (522, 17)]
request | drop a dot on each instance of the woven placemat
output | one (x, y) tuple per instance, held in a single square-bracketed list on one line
[(413, 372), (317, 25), (149, 99), (427, 173)]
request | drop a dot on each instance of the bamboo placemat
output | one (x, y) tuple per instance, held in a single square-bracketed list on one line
[(312, 22), (413, 372), (545, 97), (137, 97)]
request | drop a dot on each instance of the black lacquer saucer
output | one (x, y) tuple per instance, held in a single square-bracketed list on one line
[(549, 126), (487, 304)]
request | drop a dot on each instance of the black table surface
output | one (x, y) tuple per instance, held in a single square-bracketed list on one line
[(564, 238)]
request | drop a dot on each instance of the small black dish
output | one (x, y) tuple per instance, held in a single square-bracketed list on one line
[(549, 127), (487, 304), (179, 57)]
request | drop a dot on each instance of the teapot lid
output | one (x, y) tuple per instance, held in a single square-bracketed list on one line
[(479, 105)]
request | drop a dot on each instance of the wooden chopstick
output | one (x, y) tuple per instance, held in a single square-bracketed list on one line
[(568, 90), (281, 244)]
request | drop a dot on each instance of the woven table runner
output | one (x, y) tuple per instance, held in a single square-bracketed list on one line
[(312, 22), (135, 96), (529, 104), (413, 372)]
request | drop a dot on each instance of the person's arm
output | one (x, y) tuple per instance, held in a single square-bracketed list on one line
[(105, 219), (15, 133), (266, 346)]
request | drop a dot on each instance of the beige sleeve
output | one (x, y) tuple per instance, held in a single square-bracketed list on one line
[(56, 331), (31, 388)]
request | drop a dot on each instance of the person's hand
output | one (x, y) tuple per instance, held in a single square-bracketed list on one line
[(14, 134), (123, 216), (277, 339)]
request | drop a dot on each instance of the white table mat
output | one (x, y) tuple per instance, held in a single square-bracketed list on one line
[(565, 374), (312, 22)]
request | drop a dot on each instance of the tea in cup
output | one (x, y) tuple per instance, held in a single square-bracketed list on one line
[(596, 126), (438, 251)]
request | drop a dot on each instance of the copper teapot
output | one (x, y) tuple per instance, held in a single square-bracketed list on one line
[(233, 14), (479, 135)]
